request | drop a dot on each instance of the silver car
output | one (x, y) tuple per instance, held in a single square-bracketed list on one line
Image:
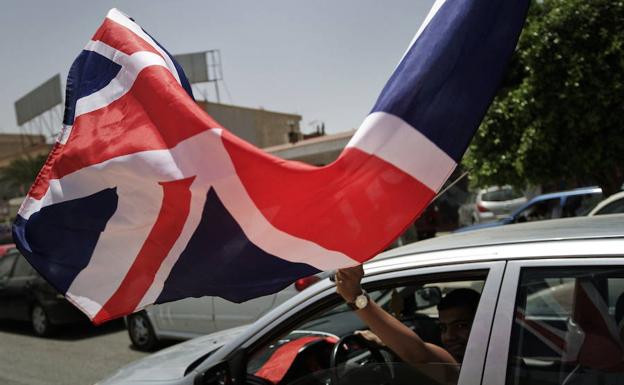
[(551, 311), (494, 203)]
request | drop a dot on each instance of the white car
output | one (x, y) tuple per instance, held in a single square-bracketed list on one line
[(551, 311), (612, 205), (194, 317)]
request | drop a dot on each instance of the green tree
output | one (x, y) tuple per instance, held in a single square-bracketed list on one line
[(19, 175), (557, 120)]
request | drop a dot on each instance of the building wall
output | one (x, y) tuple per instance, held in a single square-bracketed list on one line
[(260, 127), (317, 151)]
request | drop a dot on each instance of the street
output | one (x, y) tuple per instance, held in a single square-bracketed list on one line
[(82, 355)]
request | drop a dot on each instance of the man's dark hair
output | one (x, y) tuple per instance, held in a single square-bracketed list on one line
[(460, 298)]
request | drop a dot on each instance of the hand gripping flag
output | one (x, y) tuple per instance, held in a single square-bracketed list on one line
[(146, 199)]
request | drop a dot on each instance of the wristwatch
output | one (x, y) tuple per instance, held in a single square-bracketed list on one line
[(361, 301)]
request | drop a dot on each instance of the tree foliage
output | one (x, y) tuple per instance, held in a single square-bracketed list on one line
[(20, 174), (558, 118)]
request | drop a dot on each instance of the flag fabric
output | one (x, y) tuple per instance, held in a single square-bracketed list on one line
[(146, 199)]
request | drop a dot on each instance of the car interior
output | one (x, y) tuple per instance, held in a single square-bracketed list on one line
[(326, 347)]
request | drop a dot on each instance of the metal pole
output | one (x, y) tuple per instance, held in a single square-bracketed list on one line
[(216, 83), (450, 185)]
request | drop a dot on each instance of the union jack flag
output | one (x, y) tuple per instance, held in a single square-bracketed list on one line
[(146, 199)]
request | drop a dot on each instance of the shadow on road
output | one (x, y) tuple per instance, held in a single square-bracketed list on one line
[(65, 332)]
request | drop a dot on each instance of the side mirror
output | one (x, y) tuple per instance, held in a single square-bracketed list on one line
[(427, 296), (217, 375)]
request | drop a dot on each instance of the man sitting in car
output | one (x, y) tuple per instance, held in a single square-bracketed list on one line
[(456, 312)]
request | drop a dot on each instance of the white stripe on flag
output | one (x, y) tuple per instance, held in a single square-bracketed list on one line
[(398, 143)]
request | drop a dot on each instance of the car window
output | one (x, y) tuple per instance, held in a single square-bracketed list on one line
[(505, 194), (6, 265), (324, 345), (615, 207), (568, 327), (23, 268), (539, 211), (579, 205)]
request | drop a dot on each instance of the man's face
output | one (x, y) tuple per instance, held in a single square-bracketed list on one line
[(455, 326)]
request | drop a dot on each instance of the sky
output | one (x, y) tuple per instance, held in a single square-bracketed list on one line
[(325, 60)]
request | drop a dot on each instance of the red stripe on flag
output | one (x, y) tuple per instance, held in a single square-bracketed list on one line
[(173, 213), (541, 331), (155, 114), (366, 201), (121, 38)]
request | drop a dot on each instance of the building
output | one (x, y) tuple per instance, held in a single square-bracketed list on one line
[(317, 151), (259, 127), (13, 146)]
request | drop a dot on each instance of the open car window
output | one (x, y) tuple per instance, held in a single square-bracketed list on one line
[(323, 349)]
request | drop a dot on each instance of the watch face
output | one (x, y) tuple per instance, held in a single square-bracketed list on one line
[(361, 301)]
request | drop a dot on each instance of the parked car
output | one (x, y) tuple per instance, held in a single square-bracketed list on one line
[(193, 317), (466, 211), (563, 204), (551, 296), (496, 202), (612, 205), (26, 296)]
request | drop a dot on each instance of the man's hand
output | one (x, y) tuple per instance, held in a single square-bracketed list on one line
[(348, 282), (370, 336)]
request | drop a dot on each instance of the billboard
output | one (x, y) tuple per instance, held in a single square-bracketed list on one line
[(201, 67), (195, 66), (39, 100)]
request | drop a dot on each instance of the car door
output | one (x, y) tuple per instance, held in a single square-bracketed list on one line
[(20, 287), (185, 318), (579, 205), (559, 321), (229, 314)]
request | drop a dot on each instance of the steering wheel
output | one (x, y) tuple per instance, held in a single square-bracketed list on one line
[(348, 343)]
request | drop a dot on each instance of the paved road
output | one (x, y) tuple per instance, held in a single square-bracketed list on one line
[(82, 355)]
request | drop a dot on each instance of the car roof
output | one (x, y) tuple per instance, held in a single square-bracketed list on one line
[(605, 226), (578, 191)]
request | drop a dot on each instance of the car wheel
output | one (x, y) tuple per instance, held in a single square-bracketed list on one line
[(40, 321), (141, 332)]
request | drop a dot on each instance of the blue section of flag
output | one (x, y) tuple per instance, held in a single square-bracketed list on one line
[(89, 73), (218, 261), (59, 240), (447, 79)]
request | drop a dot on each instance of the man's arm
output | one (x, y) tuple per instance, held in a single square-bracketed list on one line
[(398, 337)]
